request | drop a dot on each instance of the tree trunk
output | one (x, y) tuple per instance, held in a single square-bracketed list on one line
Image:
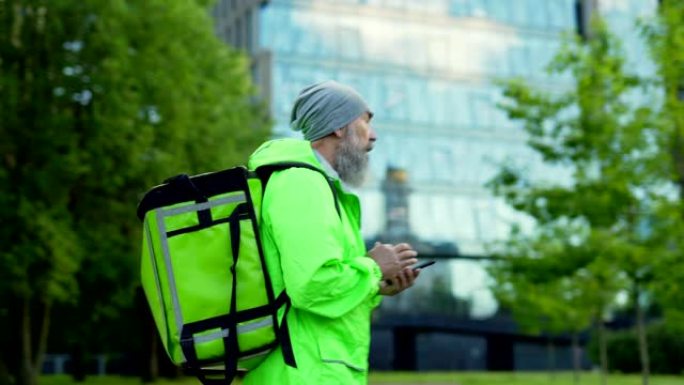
[(32, 346), (78, 369), (603, 352), (27, 374), (44, 330), (148, 334), (154, 353), (5, 378), (576, 358), (643, 342), (551, 356)]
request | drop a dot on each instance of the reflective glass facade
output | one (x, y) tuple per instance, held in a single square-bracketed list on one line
[(427, 69)]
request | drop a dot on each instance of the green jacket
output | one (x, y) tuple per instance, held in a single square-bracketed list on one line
[(319, 257)]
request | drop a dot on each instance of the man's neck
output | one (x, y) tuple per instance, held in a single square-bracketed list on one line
[(326, 147)]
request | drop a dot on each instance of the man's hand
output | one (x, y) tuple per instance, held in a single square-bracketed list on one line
[(401, 282), (393, 258)]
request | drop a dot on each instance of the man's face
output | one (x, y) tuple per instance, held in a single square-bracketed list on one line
[(351, 159), (362, 130)]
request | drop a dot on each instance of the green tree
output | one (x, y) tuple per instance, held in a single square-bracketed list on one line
[(600, 132), (665, 36), (100, 101), (558, 280)]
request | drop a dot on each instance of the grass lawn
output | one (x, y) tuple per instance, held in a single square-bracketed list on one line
[(513, 378), (433, 378)]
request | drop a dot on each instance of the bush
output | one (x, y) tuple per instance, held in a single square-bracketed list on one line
[(664, 345)]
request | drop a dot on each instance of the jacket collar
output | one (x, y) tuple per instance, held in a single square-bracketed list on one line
[(330, 171)]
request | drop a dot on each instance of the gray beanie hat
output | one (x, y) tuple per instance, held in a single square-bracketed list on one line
[(324, 107)]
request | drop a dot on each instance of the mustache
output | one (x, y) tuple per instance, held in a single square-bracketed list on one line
[(371, 145)]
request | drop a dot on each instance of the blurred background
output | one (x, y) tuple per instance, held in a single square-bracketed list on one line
[(533, 148)]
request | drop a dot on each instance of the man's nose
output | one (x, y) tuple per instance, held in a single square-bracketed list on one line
[(372, 137)]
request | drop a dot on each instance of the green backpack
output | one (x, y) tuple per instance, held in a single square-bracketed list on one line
[(204, 274)]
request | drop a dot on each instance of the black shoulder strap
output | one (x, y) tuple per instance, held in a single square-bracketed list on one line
[(264, 172)]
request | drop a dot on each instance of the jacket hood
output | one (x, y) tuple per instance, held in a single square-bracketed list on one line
[(284, 150)]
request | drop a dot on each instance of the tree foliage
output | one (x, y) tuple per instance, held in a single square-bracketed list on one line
[(665, 36), (100, 101), (596, 231)]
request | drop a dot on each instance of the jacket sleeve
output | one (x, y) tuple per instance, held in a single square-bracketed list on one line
[(300, 210)]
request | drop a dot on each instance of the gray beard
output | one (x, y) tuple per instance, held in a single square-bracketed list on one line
[(351, 161)]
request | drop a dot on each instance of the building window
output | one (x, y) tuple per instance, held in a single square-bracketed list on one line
[(459, 8), (579, 19), (442, 163), (395, 99), (538, 14), (237, 33), (249, 31), (349, 43), (227, 34), (438, 53), (479, 9), (555, 11), (583, 12)]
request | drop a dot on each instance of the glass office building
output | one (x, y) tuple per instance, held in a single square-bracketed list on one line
[(427, 68)]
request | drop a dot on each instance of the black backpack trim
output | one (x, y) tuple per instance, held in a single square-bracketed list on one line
[(199, 188)]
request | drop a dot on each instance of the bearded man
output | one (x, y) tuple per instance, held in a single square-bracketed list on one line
[(313, 245)]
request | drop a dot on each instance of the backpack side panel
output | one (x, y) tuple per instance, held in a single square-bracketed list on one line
[(186, 273), (151, 282)]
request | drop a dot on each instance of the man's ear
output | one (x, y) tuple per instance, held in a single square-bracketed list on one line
[(339, 132)]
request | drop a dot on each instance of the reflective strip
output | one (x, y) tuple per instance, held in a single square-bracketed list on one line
[(266, 322), (350, 366), (154, 268), (241, 329), (245, 358), (222, 366), (212, 336), (214, 367), (205, 205), (169, 272)]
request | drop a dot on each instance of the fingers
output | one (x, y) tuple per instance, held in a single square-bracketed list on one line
[(393, 258), (408, 255), (402, 248), (410, 276), (404, 251), (398, 247), (400, 281), (404, 279), (396, 283), (407, 262)]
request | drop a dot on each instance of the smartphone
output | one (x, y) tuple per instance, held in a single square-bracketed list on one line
[(424, 265), (418, 266)]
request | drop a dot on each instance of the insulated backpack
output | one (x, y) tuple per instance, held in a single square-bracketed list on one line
[(204, 274)]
